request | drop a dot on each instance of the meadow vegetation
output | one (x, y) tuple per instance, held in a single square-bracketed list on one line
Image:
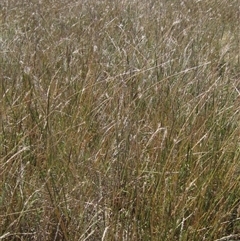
[(120, 120)]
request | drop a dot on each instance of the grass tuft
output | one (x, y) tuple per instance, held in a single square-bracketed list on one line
[(119, 120)]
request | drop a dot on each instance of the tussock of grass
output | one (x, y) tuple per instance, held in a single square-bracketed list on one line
[(119, 120)]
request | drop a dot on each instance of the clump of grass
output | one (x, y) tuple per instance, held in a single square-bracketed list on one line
[(119, 120)]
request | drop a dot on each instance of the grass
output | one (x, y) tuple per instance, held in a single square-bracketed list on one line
[(119, 120)]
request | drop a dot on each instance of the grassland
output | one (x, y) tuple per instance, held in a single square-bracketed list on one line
[(120, 120)]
